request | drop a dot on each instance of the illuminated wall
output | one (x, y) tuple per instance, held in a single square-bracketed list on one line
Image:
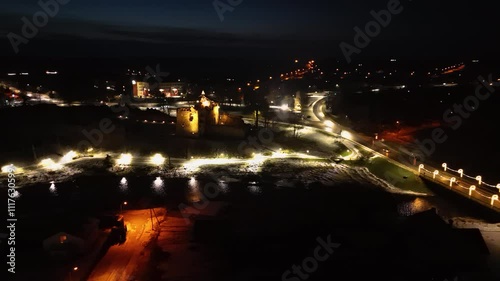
[(141, 89), (187, 122)]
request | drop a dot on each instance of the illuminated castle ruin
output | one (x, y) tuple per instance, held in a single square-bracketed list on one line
[(204, 118)]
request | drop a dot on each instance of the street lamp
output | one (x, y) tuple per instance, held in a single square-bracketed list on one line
[(471, 188), (452, 180), (420, 167), (493, 199), (498, 186), (436, 172), (479, 179), (121, 206), (461, 172), (444, 165), (71, 272)]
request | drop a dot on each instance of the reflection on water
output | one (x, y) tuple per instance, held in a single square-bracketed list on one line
[(158, 186), (194, 191), (124, 185), (53, 188), (411, 207), (255, 189), (223, 186)]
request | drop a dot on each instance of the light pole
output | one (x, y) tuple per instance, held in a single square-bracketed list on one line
[(498, 186), (420, 167), (71, 273), (436, 172), (461, 172), (452, 180), (471, 188), (121, 206), (445, 166), (493, 199), (479, 179)]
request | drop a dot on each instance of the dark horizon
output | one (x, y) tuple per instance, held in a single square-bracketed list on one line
[(252, 29)]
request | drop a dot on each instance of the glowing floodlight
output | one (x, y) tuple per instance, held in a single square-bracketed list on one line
[(9, 169), (471, 188), (445, 166), (123, 180), (68, 157), (285, 107), (50, 164), (157, 160), (125, 159)]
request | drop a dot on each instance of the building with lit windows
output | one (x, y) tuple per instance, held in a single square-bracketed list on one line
[(140, 89)]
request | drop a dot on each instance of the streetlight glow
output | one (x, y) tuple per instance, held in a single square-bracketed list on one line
[(68, 157), (157, 159), (346, 135), (8, 169), (50, 164), (329, 124), (125, 159)]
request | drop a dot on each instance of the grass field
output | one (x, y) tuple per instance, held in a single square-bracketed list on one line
[(397, 176)]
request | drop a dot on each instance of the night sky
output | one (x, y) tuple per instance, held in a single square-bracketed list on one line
[(254, 28)]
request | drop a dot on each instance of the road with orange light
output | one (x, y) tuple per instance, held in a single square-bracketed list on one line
[(121, 261)]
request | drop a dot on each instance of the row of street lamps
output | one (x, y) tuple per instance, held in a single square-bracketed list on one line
[(472, 188)]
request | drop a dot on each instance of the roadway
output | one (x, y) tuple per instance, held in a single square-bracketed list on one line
[(482, 193)]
